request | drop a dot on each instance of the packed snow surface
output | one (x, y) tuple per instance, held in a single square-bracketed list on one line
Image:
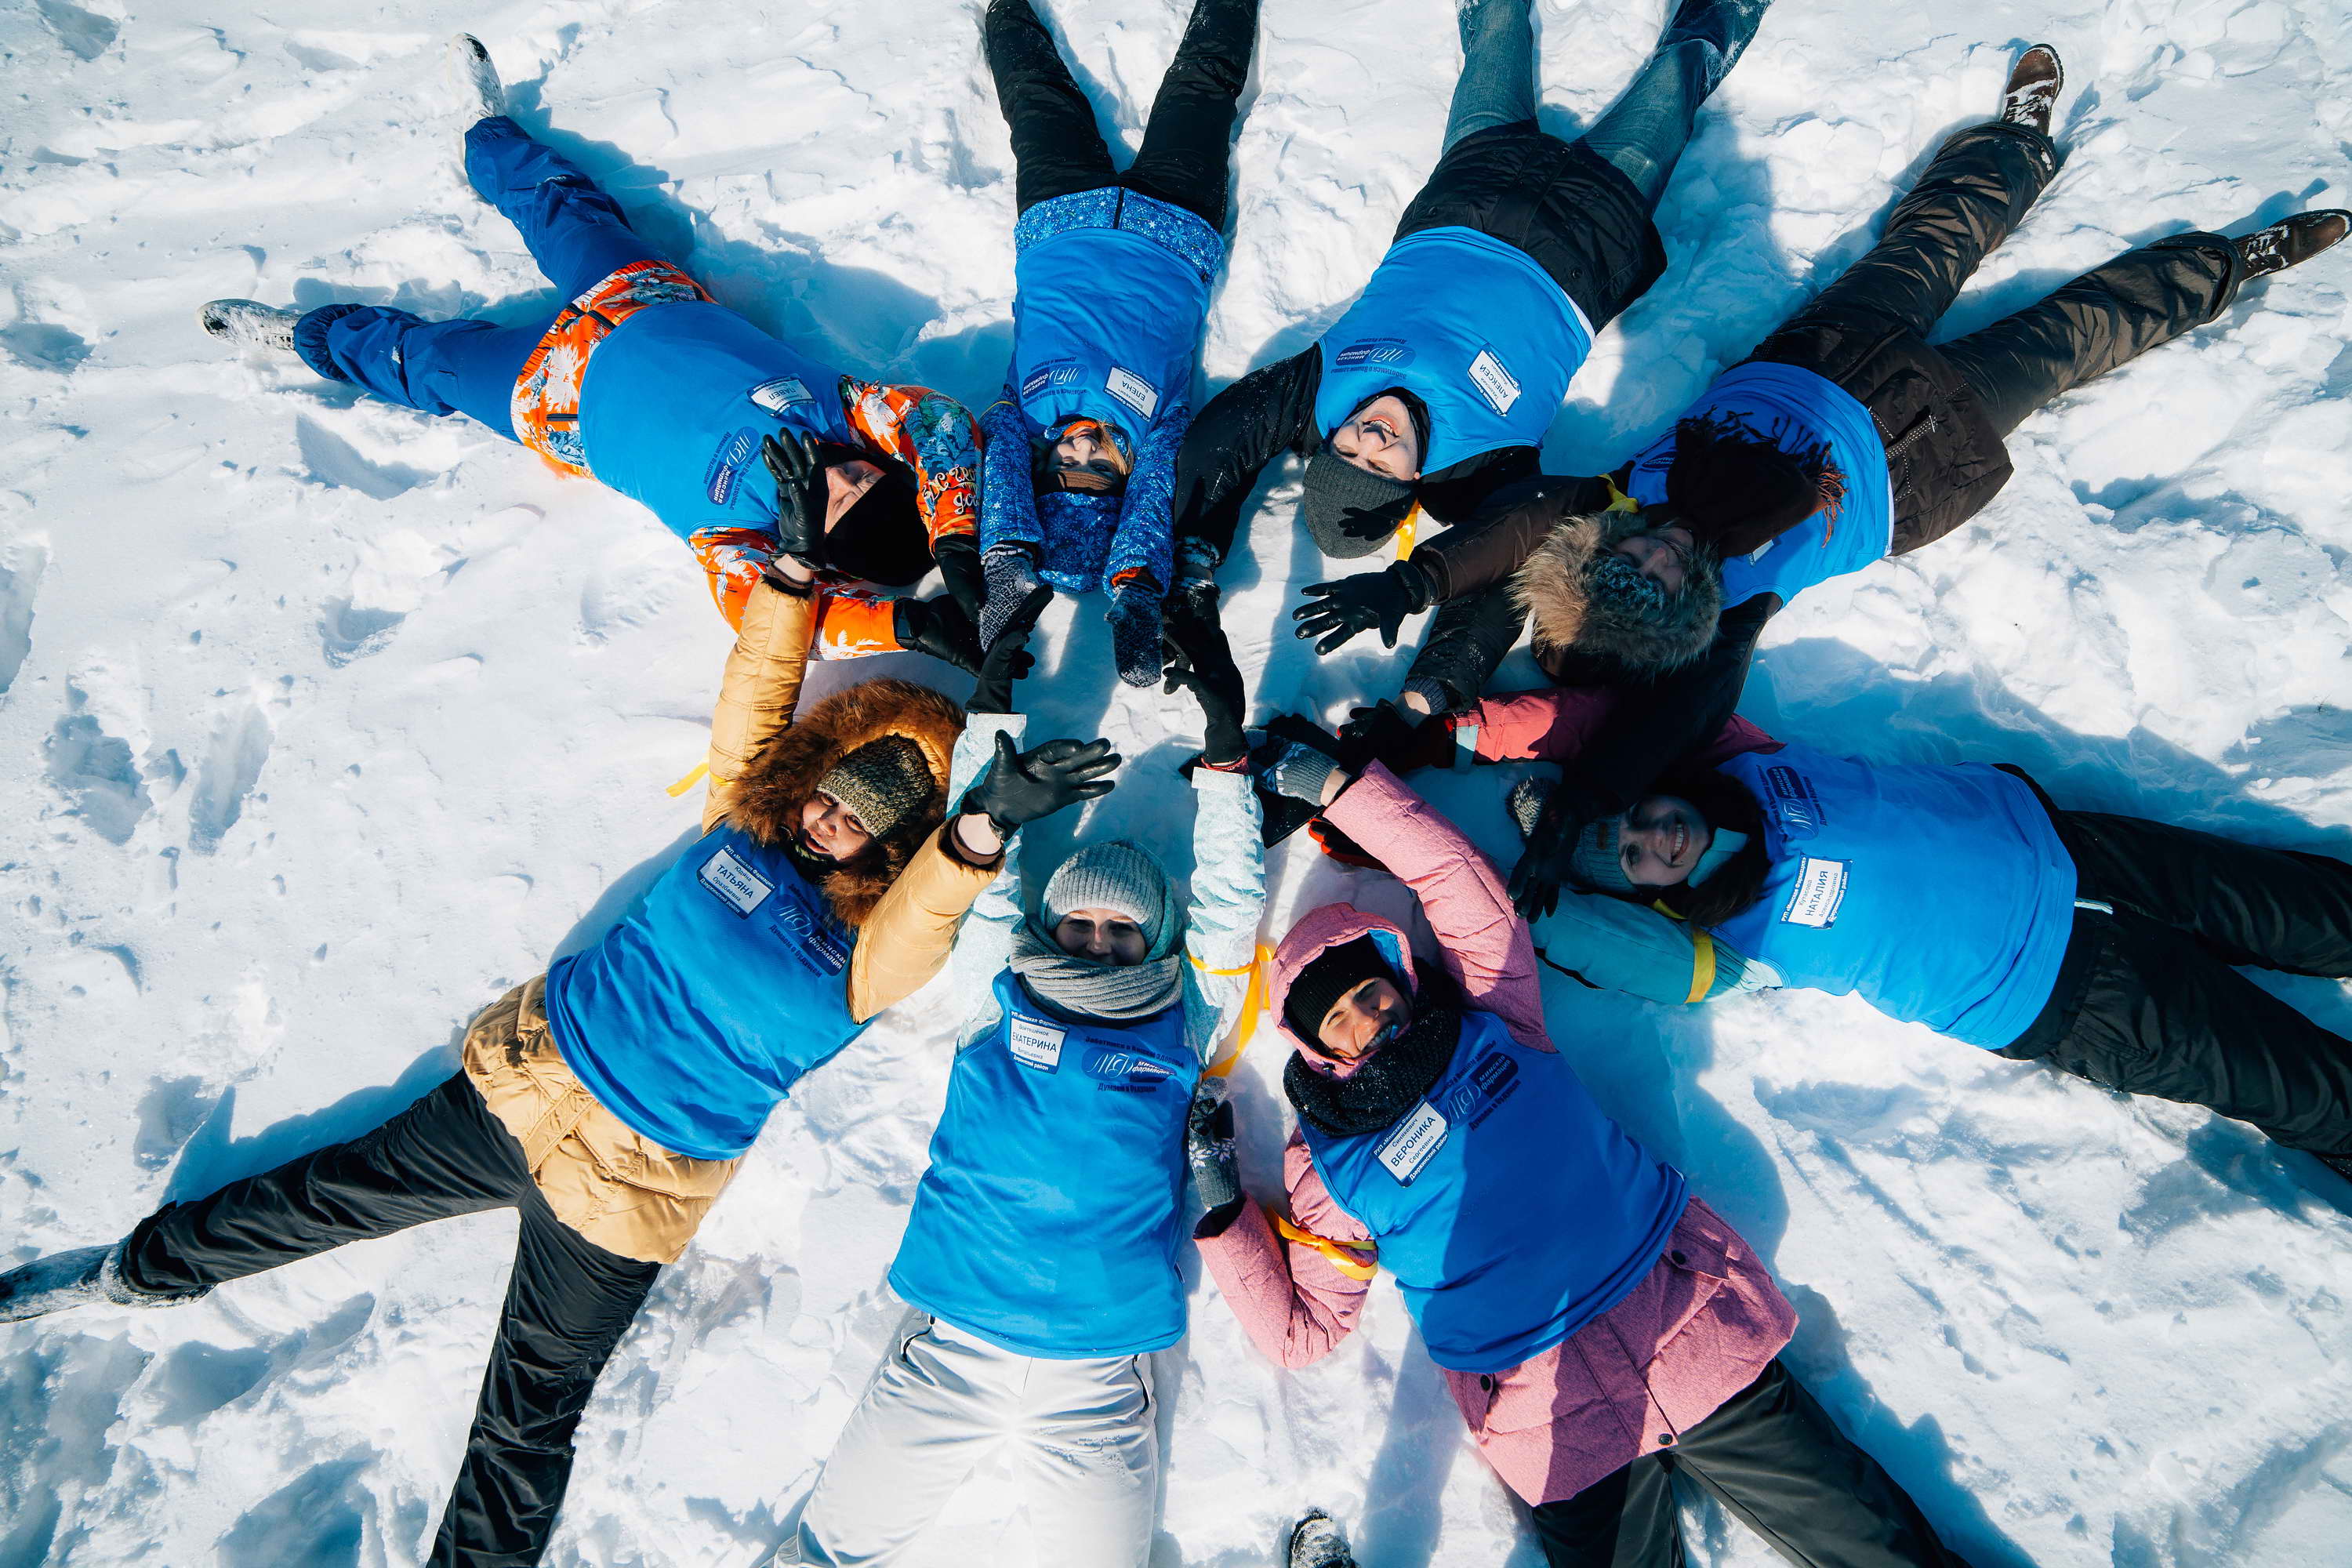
[(326, 721)]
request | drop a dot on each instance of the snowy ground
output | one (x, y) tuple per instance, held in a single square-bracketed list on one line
[(327, 722)]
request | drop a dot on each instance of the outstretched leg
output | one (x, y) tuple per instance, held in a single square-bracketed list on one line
[(1644, 132), (439, 367), (1187, 150), (567, 1306), (1056, 149), (1625, 1520), (576, 233), (1090, 1450), (445, 1155), (2274, 908), (1778, 1464), (2158, 1012), (1498, 84)]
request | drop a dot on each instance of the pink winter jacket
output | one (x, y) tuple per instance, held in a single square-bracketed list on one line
[(1700, 1326)]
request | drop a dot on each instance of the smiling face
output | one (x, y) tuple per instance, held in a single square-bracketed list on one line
[(1085, 458), (1663, 556), (1379, 438), (830, 830), (1660, 839), (1106, 936), (1359, 1017)]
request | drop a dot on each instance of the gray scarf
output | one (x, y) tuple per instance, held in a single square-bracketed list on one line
[(1091, 988)]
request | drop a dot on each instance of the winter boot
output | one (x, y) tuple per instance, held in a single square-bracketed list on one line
[(249, 324), (2034, 83), (85, 1276), (1316, 1542), (2291, 241), (474, 80)]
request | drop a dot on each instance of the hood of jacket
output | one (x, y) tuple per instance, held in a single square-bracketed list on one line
[(1331, 926), (1554, 587), (783, 773)]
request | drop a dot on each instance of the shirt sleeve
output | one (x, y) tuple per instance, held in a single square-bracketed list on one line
[(1228, 899), (1614, 945), (1297, 1285), (985, 946), (1008, 506), (1143, 542), (930, 433)]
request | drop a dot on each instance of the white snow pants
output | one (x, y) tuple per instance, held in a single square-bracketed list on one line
[(1085, 1431)]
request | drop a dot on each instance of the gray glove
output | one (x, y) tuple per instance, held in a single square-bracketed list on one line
[(1209, 1151)]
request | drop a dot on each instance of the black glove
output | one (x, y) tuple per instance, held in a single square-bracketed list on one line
[(1386, 733), (802, 496), (1209, 1151), (1357, 603), (1199, 660), (1007, 658), (958, 556), (941, 628), (1544, 864), (1020, 787)]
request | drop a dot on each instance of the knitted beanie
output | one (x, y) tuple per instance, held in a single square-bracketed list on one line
[(1595, 862), (1116, 876), (1348, 512), (1329, 976), (882, 783)]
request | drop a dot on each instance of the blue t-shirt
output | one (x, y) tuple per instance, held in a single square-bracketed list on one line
[(1798, 410)]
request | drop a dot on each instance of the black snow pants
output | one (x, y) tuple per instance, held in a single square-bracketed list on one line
[(2148, 1001), (1185, 156), (1774, 1458), (566, 1308)]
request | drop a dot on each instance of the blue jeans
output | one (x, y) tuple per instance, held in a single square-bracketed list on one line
[(1645, 130), (575, 232)]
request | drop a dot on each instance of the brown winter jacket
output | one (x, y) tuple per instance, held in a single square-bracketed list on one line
[(608, 1183)]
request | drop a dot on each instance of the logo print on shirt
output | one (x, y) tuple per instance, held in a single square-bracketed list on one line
[(1794, 805), (1820, 890), (1129, 1071), (1060, 372), (1494, 1081), (725, 469), (738, 886), (1495, 384), (821, 944), (1133, 390), (1036, 1045), (1369, 353), (1411, 1143)]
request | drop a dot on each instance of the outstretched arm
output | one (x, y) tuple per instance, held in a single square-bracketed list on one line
[(930, 433), (1296, 1285), (1144, 542), (1483, 942), (1236, 434), (985, 946), (1228, 901), (761, 688), (1008, 499)]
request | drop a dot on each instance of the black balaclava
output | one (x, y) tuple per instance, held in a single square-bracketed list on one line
[(881, 537)]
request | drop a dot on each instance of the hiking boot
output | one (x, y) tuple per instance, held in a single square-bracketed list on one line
[(2034, 83), (474, 80), (86, 1277), (2291, 241), (1316, 1542), (249, 324)]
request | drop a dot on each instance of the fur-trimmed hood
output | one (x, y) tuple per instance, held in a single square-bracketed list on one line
[(1555, 587), (783, 773)]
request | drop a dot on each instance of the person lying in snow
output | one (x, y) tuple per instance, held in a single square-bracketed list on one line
[(1842, 438), (1039, 1264), (612, 1099), (644, 382), (1600, 1327), (1113, 273), (2105, 945), (1438, 384)]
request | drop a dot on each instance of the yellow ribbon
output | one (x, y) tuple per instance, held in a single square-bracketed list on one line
[(1407, 531), (1252, 1003), (1618, 499), (689, 780), (1331, 1246)]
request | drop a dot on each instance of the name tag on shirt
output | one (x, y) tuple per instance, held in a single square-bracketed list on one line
[(1411, 1143), (1037, 1045), (1820, 890), (1133, 390), (738, 886), (1495, 384), (781, 393)]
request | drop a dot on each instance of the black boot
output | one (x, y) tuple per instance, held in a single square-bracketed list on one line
[(86, 1277), (2034, 83), (2291, 241), (1316, 1542)]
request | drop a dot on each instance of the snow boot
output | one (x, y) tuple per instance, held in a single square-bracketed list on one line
[(249, 324), (86, 1277), (2293, 240), (2030, 99), (1316, 1542), (474, 80)]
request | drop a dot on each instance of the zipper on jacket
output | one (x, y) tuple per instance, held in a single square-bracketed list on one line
[(1919, 429)]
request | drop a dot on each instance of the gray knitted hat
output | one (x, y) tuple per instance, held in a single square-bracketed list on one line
[(1596, 863), (883, 782), (1112, 876)]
